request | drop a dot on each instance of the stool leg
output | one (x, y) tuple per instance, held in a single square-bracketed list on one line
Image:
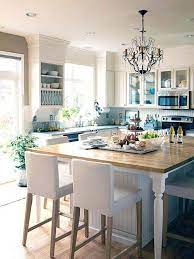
[(54, 226), (109, 237), (76, 215), (165, 218), (27, 217), (71, 204), (58, 217), (103, 225), (139, 228), (45, 203), (86, 222)]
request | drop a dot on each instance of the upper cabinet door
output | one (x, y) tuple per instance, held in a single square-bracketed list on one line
[(149, 89), (110, 88), (120, 88), (181, 78), (165, 79), (133, 89)]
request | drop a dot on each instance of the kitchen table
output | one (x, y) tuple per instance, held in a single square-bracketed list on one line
[(156, 165)]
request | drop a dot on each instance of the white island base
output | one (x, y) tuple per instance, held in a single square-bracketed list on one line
[(125, 221)]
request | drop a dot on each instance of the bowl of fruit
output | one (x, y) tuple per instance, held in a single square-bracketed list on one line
[(151, 138)]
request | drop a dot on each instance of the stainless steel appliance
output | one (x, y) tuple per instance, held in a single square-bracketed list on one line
[(174, 100), (184, 121)]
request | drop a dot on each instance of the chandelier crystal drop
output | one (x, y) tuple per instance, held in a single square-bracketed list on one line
[(142, 54)]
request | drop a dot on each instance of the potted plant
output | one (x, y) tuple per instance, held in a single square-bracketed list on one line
[(67, 116), (18, 147)]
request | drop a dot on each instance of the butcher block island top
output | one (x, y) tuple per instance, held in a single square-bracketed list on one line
[(167, 158)]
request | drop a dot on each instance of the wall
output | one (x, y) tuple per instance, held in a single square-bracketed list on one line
[(80, 56), (17, 44), (116, 113)]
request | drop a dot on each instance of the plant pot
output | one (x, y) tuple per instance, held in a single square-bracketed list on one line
[(21, 177)]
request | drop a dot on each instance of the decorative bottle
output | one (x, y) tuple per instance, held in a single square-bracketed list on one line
[(171, 134), (180, 135)]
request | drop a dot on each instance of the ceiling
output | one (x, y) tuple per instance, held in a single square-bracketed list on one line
[(113, 21)]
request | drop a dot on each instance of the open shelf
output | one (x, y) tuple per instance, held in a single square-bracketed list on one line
[(51, 89), (49, 76)]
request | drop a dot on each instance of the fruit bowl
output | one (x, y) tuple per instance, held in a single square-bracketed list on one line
[(152, 142)]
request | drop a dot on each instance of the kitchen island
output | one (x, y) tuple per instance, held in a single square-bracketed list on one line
[(148, 172)]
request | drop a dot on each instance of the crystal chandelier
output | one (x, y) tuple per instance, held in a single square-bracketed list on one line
[(143, 55)]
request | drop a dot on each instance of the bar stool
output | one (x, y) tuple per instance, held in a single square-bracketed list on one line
[(44, 180), (94, 190), (85, 135), (63, 166), (182, 187)]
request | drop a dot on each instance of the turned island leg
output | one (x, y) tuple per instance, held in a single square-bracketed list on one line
[(158, 189)]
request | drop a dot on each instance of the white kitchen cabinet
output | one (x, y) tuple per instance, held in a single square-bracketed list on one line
[(45, 54), (192, 87), (105, 79), (173, 78), (134, 89), (107, 132), (141, 91), (110, 88), (149, 89), (165, 78), (120, 89), (181, 78)]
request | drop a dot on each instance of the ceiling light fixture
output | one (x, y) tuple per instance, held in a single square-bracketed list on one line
[(31, 14), (143, 55), (91, 33)]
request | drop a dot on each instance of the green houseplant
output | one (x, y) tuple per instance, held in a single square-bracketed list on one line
[(18, 146)]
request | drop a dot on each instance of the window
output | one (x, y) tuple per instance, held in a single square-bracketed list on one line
[(79, 86), (10, 97)]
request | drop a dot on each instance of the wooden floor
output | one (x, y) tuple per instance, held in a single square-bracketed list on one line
[(11, 225)]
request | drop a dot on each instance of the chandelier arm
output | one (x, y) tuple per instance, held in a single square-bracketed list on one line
[(134, 65)]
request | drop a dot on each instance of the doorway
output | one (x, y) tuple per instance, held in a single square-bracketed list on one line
[(11, 108)]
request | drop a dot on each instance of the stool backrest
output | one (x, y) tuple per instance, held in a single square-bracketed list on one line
[(93, 185), (57, 140), (85, 136), (42, 174)]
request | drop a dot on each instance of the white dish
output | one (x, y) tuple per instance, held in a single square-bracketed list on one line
[(44, 71), (53, 73), (55, 85)]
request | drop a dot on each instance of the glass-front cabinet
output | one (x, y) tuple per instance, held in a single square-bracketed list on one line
[(149, 89), (134, 89), (177, 78), (181, 78), (165, 79), (141, 90)]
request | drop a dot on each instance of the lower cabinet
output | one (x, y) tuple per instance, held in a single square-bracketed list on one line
[(107, 132)]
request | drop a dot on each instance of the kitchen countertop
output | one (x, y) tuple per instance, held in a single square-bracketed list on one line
[(77, 130), (167, 158)]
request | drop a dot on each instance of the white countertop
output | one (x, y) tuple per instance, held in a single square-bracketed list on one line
[(77, 130)]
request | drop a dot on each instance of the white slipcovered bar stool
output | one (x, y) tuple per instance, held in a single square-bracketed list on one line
[(44, 180), (182, 187), (63, 166), (84, 136), (94, 190)]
